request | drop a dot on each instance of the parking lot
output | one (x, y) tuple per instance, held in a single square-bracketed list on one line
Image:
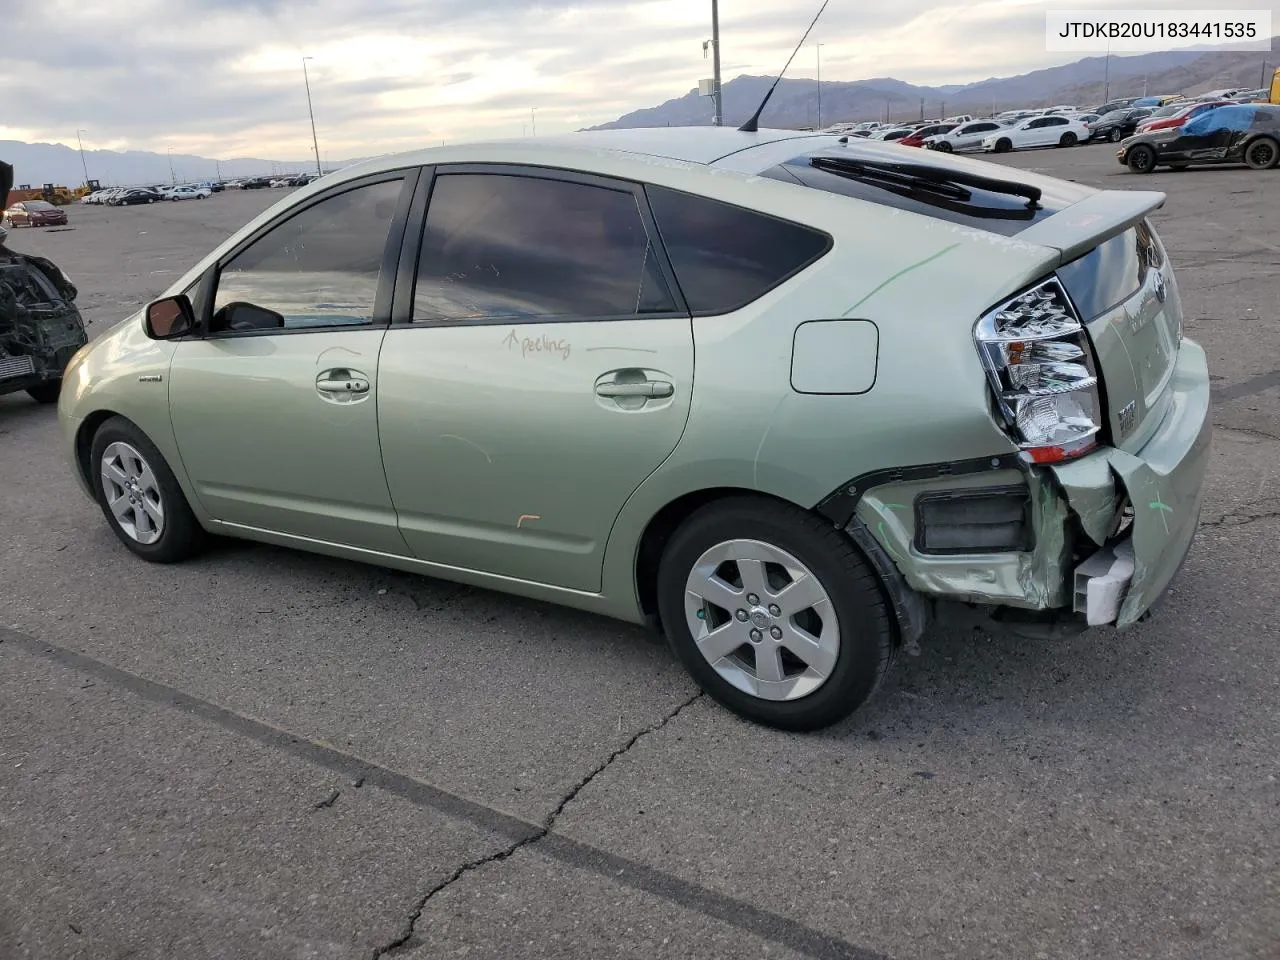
[(268, 754)]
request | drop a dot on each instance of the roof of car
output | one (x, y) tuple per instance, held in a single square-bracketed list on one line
[(699, 145)]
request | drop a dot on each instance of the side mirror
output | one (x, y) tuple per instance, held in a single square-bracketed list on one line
[(170, 318)]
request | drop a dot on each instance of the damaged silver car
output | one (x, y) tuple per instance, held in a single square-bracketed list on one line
[(40, 326)]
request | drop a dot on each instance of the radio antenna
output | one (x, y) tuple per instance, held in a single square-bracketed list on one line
[(753, 125)]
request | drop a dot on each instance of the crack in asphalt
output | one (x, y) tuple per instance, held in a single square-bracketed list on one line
[(630, 874), (1243, 519), (406, 935)]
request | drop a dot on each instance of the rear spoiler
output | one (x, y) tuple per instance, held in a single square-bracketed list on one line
[(1082, 226)]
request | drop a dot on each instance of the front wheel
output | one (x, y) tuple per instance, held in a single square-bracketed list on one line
[(943, 146), (1116, 135), (139, 495), (1004, 145), (774, 613), (1262, 154), (1068, 140), (1141, 159)]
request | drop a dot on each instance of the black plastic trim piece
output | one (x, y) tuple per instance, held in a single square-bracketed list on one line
[(839, 505), (1021, 492), (910, 609)]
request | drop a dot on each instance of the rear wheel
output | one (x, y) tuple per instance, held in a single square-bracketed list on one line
[(1068, 140), (46, 392), (774, 613), (140, 496), (1141, 159), (1262, 153)]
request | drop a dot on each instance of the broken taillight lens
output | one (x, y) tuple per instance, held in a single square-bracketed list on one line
[(1042, 373)]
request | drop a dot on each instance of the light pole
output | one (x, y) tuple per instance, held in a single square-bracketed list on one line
[(1262, 80), (311, 113), (819, 46), (86, 165), (533, 119), (1106, 81), (715, 63), (173, 177)]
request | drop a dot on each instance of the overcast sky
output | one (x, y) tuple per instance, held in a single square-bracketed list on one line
[(223, 78)]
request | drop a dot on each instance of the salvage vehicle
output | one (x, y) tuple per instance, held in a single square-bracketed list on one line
[(40, 326), (1246, 133), (34, 213), (1118, 124), (1046, 131), (686, 377)]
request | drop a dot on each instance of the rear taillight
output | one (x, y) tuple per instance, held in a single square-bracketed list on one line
[(1041, 370)]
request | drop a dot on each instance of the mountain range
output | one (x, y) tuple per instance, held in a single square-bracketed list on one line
[(794, 104), (1088, 81)]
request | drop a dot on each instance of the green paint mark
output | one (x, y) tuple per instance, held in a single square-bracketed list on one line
[(1164, 508), (895, 276), (896, 506), (884, 542)]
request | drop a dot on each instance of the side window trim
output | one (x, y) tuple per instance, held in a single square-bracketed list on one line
[(386, 276), (407, 270)]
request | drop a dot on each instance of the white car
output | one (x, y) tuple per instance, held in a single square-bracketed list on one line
[(189, 193), (967, 136), (1037, 132)]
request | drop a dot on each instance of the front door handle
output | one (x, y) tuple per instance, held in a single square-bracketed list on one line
[(645, 388)]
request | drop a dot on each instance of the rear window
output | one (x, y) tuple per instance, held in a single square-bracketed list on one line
[(1111, 272), (999, 213), (726, 256)]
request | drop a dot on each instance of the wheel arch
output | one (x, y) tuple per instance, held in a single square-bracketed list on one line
[(907, 613), (85, 433)]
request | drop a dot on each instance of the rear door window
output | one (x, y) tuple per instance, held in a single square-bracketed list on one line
[(500, 246), (726, 256)]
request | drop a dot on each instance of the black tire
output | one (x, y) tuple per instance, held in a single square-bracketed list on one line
[(866, 635), (46, 392), (1141, 159), (943, 146), (1004, 145), (181, 536), (1262, 153), (1116, 135), (1068, 140)]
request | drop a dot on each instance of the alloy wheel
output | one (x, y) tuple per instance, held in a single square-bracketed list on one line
[(132, 493), (762, 619)]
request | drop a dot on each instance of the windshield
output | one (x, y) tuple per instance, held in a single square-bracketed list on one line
[(39, 205)]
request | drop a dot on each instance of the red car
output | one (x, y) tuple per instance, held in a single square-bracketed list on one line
[(35, 213), (1181, 117), (916, 139)]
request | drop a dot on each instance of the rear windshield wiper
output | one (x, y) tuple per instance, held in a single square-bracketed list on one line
[(949, 183)]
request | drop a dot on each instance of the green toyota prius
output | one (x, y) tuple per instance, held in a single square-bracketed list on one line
[(778, 395)]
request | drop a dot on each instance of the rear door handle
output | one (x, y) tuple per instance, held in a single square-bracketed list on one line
[(645, 388), (354, 385), (336, 383)]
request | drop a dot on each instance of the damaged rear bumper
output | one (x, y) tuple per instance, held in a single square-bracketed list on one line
[(1163, 485), (1108, 532)]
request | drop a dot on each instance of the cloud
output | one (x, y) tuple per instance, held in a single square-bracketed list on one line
[(224, 77)]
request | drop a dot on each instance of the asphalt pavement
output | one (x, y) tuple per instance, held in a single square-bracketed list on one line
[(267, 754)]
